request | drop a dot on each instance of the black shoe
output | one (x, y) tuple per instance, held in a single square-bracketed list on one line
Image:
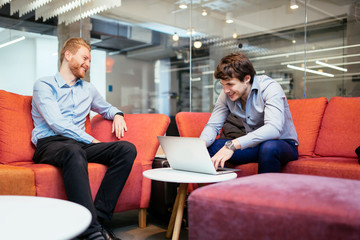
[(94, 236), (108, 234)]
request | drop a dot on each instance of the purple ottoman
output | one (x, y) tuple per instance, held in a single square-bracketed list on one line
[(276, 206)]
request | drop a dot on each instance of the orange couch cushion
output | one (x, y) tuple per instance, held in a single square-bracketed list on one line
[(340, 129), (307, 115), (16, 126), (16, 181), (325, 166), (191, 124)]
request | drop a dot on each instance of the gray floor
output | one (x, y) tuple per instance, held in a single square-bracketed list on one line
[(125, 226)]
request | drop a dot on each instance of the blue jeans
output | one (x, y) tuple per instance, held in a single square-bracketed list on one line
[(270, 155)]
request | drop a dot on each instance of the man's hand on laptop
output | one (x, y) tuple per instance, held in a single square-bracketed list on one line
[(221, 157)]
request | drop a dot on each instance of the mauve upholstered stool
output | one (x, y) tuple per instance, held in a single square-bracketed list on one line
[(276, 206)]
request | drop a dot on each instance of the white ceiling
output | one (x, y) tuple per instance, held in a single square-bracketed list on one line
[(251, 16)]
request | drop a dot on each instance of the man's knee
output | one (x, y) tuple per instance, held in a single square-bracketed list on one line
[(269, 148), (126, 151)]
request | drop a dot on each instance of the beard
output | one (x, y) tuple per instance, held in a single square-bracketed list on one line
[(76, 69)]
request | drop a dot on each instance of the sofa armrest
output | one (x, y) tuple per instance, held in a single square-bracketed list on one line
[(143, 130), (191, 124)]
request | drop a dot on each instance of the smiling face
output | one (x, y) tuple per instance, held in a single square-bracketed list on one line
[(79, 63), (237, 89)]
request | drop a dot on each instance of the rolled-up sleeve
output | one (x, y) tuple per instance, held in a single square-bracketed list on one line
[(216, 121), (101, 106)]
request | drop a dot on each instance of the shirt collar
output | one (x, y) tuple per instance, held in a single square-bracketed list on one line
[(61, 82), (255, 84)]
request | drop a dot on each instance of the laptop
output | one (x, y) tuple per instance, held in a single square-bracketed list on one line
[(189, 154)]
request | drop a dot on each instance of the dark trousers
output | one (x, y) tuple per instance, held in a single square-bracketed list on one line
[(73, 157), (270, 155)]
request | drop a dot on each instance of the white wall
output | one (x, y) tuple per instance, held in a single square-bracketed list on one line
[(22, 63), (46, 58), (98, 71), (17, 67)]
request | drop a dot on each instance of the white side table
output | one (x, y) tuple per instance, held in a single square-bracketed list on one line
[(184, 178), (39, 218)]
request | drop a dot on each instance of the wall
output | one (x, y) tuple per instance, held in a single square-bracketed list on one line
[(17, 67)]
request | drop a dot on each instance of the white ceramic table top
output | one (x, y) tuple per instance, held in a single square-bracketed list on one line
[(177, 176), (39, 218)]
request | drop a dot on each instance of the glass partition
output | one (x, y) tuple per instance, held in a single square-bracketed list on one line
[(159, 56)]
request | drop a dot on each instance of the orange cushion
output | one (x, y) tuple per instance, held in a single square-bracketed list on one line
[(16, 181), (138, 133), (191, 124), (307, 115), (325, 166), (340, 129), (16, 126)]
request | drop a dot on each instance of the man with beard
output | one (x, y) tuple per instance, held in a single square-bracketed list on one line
[(260, 104), (60, 106)]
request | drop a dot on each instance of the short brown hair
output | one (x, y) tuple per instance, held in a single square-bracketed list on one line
[(235, 65), (73, 45)]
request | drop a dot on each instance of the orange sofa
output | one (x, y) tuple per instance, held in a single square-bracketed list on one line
[(20, 176), (328, 131)]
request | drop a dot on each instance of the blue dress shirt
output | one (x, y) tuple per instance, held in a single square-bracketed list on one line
[(60, 109), (266, 115)]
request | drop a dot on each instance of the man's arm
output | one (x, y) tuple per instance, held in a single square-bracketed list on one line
[(216, 121), (109, 112), (274, 118)]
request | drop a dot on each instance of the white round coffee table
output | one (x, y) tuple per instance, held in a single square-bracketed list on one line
[(184, 178), (39, 218)]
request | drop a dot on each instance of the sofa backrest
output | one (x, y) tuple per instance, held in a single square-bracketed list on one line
[(15, 128), (191, 124), (16, 125), (340, 129), (143, 130), (307, 115)]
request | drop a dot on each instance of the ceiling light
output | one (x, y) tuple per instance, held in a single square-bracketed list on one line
[(331, 66), (183, 6), (293, 41), (196, 79), (308, 52), (293, 5), (175, 37), (234, 35), (197, 44), (317, 59), (310, 71), (12, 42), (190, 32), (229, 18), (204, 12)]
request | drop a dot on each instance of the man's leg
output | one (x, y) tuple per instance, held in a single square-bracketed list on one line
[(275, 153), (270, 155), (67, 154), (119, 157), (239, 157)]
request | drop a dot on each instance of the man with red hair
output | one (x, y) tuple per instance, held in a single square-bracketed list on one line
[(60, 106)]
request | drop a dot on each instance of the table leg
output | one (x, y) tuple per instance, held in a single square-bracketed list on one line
[(173, 216), (177, 213)]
